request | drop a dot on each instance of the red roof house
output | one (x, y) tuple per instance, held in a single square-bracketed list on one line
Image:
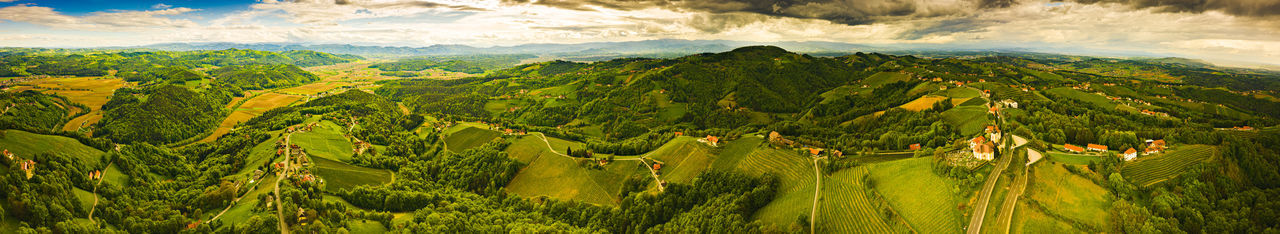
[(1096, 147), (1072, 148)]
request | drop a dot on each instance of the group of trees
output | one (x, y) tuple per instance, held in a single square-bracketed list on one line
[(162, 114)]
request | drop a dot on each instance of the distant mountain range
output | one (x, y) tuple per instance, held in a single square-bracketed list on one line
[(668, 46)]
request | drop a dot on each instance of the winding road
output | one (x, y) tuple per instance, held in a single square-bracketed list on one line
[(640, 158), (284, 228)]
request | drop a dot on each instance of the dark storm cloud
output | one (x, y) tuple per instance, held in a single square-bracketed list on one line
[(944, 27), (1253, 8), (852, 12)]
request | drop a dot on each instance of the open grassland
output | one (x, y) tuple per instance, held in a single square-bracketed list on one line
[(1149, 170), (469, 137), (1069, 158), (85, 197), (922, 198), (795, 190), (845, 206), (339, 175), (1068, 195), (683, 159), (1093, 99), (25, 144), (259, 155), (324, 140), (922, 103), (969, 119), (883, 78), (499, 106), (251, 108)]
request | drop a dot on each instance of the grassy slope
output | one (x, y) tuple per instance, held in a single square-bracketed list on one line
[(25, 144), (338, 175), (324, 140), (556, 176), (922, 198), (469, 137), (1070, 195), (684, 158)]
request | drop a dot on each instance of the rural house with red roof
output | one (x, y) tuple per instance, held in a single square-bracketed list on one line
[(1097, 147), (1129, 154), (1072, 148)]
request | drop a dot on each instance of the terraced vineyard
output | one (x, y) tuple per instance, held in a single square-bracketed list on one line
[(846, 207), (795, 192), (1147, 171)]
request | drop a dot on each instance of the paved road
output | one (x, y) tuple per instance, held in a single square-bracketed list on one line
[(984, 196), (1005, 218)]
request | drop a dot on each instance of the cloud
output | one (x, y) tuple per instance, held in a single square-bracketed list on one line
[(161, 6), (108, 20), (1252, 8), (852, 12), (329, 12)]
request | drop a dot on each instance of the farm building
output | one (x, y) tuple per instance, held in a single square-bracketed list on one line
[(915, 146), (1010, 103), (710, 140), (1072, 148), (815, 151), (984, 151), (1129, 154), (1097, 147)]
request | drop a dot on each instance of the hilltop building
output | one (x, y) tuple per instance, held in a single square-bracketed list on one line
[(1097, 147), (1129, 154)]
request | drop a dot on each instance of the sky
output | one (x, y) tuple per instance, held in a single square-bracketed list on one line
[(1228, 32)]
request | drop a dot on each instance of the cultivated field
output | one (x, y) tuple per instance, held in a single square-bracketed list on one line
[(251, 108), (795, 190), (1149, 170), (922, 198), (325, 140), (922, 103), (93, 92), (314, 88), (469, 137), (338, 175), (969, 119), (846, 207)]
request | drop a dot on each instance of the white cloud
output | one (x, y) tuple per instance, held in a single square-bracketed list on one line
[(98, 21), (161, 6)]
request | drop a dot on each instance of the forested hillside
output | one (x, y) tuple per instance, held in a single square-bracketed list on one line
[(262, 76), (162, 114)]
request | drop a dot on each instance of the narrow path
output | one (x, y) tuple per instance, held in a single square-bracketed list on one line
[(237, 200), (817, 187), (95, 192), (641, 159), (284, 228)]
